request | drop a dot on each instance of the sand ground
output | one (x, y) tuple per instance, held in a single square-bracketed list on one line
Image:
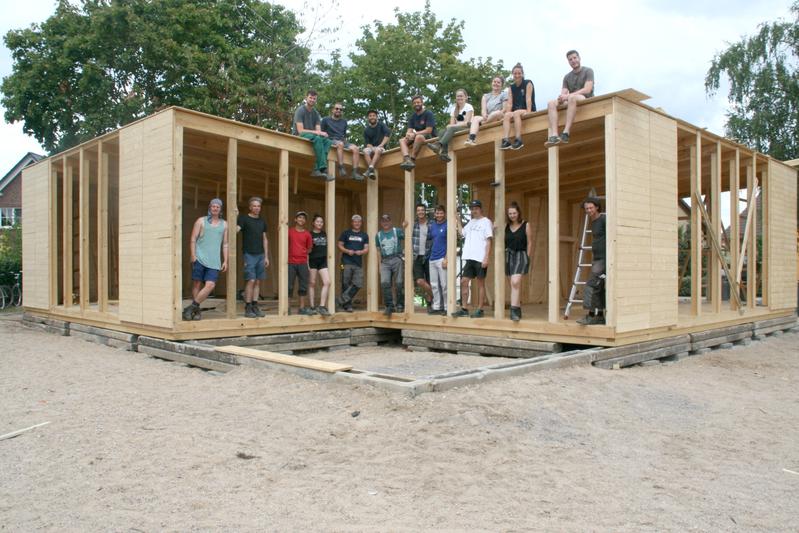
[(139, 444)]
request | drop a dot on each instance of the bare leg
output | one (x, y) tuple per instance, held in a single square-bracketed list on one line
[(418, 142), (312, 287), (571, 110), (481, 289), (515, 286), (506, 124), (475, 127), (465, 291), (517, 122), (195, 289), (552, 114), (325, 275), (426, 288), (205, 291), (404, 146), (356, 157)]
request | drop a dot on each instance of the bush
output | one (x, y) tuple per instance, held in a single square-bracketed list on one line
[(10, 254)]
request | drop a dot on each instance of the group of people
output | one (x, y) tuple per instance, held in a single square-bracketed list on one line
[(508, 105), (307, 259)]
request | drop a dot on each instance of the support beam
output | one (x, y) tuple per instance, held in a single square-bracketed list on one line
[(373, 258), (283, 235), (102, 228), (499, 234), (553, 239), (714, 270), (177, 224), (765, 247), (232, 216), (734, 168), (696, 228), (332, 240), (67, 226), (611, 212), (83, 229), (452, 232), (751, 243), (408, 209), (53, 225)]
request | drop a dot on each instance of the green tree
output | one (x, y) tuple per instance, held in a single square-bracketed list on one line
[(764, 87), (95, 66), (392, 62)]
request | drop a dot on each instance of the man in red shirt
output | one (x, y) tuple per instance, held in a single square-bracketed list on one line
[(300, 244)]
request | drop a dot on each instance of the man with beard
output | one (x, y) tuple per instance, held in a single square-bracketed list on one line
[(336, 128), (421, 127), (376, 135)]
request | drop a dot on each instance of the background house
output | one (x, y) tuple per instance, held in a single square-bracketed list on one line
[(11, 191)]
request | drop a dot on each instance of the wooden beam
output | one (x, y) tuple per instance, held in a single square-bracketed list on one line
[(332, 240), (610, 218), (67, 236), (283, 235), (696, 228), (177, 222), (499, 233), (83, 229), (751, 243), (408, 209), (291, 360), (453, 290), (53, 225), (716, 258), (373, 257), (765, 203), (232, 216), (734, 170), (553, 240), (102, 228)]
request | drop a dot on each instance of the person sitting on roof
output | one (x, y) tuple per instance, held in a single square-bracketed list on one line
[(577, 86)]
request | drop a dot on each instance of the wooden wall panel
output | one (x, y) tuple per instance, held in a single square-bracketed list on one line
[(145, 222), (645, 218), (781, 223), (36, 235)]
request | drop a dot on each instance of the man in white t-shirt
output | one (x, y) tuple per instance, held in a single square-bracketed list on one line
[(476, 251)]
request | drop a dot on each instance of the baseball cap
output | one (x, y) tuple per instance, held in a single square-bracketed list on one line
[(476, 203), (357, 217), (385, 216), (300, 213)]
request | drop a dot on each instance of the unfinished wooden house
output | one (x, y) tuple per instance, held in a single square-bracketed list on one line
[(106, 238)]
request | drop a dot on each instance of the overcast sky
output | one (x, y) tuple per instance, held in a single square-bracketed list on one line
[(660, 47)]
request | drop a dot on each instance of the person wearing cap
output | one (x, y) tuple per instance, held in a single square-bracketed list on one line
[(336, 128), (208, 235), (353, 245), (389, 242), (255, 252), (594, 289), (307, 124), (476, 251), (300, 245), (421, 243)]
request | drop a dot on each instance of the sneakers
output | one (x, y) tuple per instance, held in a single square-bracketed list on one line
[(388, 310), (370, 173), (515, 313), (564, 137), (322, 310), (322, 173), (477, 313), (517, 144), (306, 311), (357, 176), (435, 147), (256, 309), (591, 320), (348, 308), (506, 145), (400, 309), (552, 141), (460, 312), (248, 311), (191, 312), (471, 141), (342, 171), (407, 163), (444, 156)]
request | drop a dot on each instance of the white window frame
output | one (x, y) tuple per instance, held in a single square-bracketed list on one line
[(9, 213)]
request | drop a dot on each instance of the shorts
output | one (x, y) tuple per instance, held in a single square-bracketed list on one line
[(421, 268), (369, 150), (516, 262), (347, 145), (254, 267), (317, 263), (299, 271), (474, 269), (200, 272)]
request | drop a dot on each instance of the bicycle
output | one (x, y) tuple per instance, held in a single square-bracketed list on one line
[(11, 296)]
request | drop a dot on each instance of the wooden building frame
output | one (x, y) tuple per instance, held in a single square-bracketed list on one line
[(107, 222)]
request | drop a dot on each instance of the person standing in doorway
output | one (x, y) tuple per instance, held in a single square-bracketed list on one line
[(421, 245), (518, 252), (300, 245), (438, 260), (594, 290), (353, 245), (389, 243), (208, 236), (255, 251), (317, 262), (477, 235)]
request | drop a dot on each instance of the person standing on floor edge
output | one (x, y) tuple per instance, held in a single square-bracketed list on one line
[(518, 253), (353, 245), (389, 243), (300, 245), (477, 235), (594, 289), (208, 235), (255, 252), (421, 243)]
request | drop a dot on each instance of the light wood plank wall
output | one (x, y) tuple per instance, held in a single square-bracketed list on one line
[(645, 218), (781, 199), (36, 235), (145, 222)]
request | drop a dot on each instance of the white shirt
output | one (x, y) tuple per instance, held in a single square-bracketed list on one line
[(476, 233)]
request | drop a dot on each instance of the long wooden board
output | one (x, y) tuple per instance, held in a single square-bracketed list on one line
[(272, 357)]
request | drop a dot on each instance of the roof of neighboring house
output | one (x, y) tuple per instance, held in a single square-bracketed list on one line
[(16, 170)]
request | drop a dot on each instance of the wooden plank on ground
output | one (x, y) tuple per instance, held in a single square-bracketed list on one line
[(301, 362)]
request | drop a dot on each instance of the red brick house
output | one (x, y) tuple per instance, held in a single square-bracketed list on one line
[(11, 191)]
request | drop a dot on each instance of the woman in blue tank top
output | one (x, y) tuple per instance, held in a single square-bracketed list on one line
[(522, 97)]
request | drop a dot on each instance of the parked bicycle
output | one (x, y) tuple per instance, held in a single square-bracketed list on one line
[(11, 295)]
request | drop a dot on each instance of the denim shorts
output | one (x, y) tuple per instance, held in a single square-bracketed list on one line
[(254, 267), (200, 272)]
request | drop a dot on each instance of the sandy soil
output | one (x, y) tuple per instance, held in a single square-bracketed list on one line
[(138, 444)]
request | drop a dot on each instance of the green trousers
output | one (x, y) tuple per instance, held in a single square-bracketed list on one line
[(321, 147)]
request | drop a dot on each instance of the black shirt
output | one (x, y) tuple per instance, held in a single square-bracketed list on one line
[(519, 95), (598, 238), (516, 240), (252, 230), (353, 240), (374, 135), (425, 120), (336, 128), (319, 250)]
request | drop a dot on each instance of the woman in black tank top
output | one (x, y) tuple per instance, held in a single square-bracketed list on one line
[(518, 251), (317, 263), (522, 99)]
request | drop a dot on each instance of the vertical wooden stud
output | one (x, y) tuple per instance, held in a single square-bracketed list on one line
[(232, 216), (499, 233), (283, 234), (52, 216), (177, 223), (83, 229), (765, 249), (67, 223), (734, 168), (714, 265), (751, 243), (373, 258), (553, 243), (610, 216), (332, 241), (453, 289), (102, 228), (696, 227), (410, 216)]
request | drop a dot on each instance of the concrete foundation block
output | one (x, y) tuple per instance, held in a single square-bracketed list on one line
[(418, 348), (700, 351), (743, 342), (777, 333), (460, 352), (367, 344), (651, 362), (725, 346), (676, 357), (758, 337)]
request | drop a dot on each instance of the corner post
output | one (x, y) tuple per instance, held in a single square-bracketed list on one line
[(102, 228), (83, 229), (232, 216), (735, 238), (553, 239), (696, 227), (408, 208), (499, 234), (373, 258), (283, 235)]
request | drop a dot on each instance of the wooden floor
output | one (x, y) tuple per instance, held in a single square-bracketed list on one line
[(533, 326)]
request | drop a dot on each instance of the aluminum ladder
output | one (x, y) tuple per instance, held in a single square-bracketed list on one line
[(581, 264)]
